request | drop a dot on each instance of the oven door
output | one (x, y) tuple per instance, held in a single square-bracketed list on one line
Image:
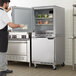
[(17, 48)]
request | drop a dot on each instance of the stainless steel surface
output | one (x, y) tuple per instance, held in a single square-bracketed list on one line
[(48, 44), (47, 32), (43, 50), (73, 43), (43, 34), (13, 41), (45, 7), (48, 51), (24, 16), (73, 39)]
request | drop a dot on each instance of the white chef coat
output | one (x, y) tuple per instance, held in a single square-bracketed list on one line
[(4, 19)]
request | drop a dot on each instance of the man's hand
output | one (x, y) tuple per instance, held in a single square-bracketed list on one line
[(23, 26), (12, 25), (7, 10)]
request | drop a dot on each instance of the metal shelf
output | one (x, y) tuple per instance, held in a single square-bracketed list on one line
[(73, 38), (44, 24), (42, 18)]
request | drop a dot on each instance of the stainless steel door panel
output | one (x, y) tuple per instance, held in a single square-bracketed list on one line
[(42, 50), (17, 41), (17, 48), (25, 16)]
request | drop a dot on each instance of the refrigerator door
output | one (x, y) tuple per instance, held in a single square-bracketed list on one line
[(24, 16), (42, 50)]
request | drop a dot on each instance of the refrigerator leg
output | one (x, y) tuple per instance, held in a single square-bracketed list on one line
[(54, 67), (35, 65), (73, 51), (73, 67), (29, 64), (63, 64)]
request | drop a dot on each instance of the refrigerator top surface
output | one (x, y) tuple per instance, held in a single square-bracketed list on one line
[(46, 7)]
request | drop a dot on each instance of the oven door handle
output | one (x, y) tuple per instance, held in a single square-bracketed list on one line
[(17, 41)]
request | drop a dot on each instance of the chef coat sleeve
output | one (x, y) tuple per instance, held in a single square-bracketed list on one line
[(5, 18)]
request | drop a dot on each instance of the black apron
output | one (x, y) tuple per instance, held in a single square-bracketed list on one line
[(4, 38)]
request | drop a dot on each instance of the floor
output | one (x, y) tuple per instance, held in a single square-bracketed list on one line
[(22, 69)]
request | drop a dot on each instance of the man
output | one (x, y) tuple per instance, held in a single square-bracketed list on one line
[(4, 23)]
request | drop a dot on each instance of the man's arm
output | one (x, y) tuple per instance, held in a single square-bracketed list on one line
[(10, 24)]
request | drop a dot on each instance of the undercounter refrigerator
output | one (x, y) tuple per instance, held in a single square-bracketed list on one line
[(48, 38)]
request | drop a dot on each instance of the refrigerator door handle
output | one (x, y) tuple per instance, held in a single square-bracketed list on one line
[(50, 38), (17, 41)]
